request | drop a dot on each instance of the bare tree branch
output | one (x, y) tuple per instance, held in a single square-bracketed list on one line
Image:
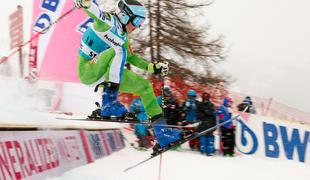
[(175, 38)]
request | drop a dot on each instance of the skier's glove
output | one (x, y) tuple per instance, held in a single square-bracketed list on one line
[(160, 68), (82, 3)]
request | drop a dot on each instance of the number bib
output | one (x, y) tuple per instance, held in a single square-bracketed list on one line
[(94, 42)]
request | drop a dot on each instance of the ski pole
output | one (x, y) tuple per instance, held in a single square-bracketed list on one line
[(191, 137), (57, 20), (36, 35), (163, 78)]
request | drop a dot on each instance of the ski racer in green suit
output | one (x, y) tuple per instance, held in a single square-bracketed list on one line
[(103, 52)]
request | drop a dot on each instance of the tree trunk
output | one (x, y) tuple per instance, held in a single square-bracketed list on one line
[(158, 18), (151, 30)]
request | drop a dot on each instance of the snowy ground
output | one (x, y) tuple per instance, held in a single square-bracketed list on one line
[(183, 165), (186, 165)]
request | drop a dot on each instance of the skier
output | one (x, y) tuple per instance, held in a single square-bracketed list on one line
[(228, 130), (206, 115), (103, 52)]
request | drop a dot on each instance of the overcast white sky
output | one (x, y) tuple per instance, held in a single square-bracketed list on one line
[(268, 41), (269, 47)]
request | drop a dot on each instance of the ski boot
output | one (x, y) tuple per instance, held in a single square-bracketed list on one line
[(186, 133), (157, 118), (156, 149), (168, 137), (96, 114), (110, 105)]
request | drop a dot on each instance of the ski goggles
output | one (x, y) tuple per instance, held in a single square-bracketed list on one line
[(137, 21)]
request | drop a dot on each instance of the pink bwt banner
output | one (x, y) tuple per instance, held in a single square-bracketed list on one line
[(58, 48), (41, 154)]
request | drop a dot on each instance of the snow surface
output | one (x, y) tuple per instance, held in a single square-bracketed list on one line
[(186, 165), (176, 165), (183, 165)]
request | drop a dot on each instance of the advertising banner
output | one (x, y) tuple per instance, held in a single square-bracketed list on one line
[(16, 28), (273, 139), (58, 47), (103, 143), (96, 144), (39, 154)]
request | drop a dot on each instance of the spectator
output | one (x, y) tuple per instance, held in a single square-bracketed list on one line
[(190, 115), (228, 130), (141, 131), (247, 102), (171, 109), (206, 115)]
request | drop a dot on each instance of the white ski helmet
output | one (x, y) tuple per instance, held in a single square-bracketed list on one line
[(131, 11)]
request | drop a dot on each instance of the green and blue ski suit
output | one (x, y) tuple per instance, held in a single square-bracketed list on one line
[(103, 52)]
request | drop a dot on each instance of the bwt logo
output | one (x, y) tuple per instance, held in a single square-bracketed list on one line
[(248, 139), (274, 137), (273, 134), (44, 20)]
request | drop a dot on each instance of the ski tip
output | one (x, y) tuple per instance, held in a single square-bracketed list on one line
[(127, 169)]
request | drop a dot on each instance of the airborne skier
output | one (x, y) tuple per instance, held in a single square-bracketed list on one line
[(103, 52)]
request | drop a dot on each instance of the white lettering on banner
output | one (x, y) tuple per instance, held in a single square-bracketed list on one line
[(38, 153), (273, 139)]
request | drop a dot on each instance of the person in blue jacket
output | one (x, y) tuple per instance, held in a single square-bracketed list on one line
[(141, 130), (190, 115), (228, 130), (190, 107)]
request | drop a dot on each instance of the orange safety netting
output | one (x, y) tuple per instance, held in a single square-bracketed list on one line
[(264, 106)]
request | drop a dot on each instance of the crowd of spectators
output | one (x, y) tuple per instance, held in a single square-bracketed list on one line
[(196, 114)]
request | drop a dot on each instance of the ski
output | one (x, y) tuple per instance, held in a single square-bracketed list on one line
[(128, 120), (182, 126), (182, 141)]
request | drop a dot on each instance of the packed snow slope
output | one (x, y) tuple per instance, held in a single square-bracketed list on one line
[(186, 165)]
